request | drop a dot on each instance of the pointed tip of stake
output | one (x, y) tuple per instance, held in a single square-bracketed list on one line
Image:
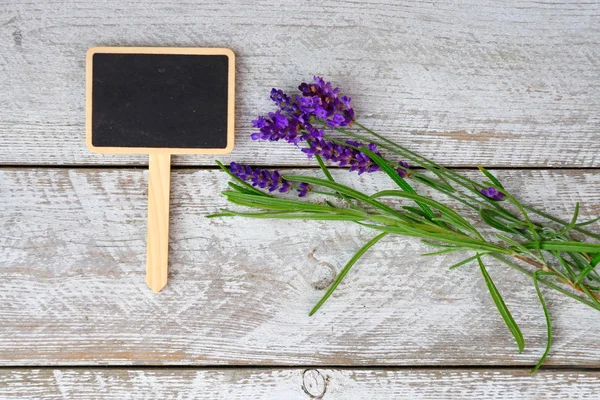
[(156, 286)]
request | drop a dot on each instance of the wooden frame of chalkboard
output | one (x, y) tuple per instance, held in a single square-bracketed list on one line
[(171, 51)]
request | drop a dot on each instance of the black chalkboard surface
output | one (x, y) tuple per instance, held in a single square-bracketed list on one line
[(159, 101), (145, 99)]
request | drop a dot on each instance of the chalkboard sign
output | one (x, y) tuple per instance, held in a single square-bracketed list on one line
[(174, 100), (159, 101)]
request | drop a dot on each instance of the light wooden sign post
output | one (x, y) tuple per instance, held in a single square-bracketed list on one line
[(159, 101)]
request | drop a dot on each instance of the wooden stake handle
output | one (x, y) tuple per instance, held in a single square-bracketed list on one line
[(157, 244)]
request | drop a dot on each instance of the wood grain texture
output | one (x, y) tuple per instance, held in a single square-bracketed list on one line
[(72, 290), (511, 84), (277, 384), (157, 242)]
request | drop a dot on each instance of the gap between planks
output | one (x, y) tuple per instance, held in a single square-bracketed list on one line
[(281, 167), (285, 367)]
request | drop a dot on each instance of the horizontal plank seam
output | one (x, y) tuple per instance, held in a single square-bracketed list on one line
[(570, 368), (282, 167)]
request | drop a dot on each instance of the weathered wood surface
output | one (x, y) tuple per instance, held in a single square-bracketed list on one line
[(278, 384), (72, 287), (511, 84)]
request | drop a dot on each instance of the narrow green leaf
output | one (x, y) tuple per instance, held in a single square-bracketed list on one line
[(516, 225), (330, 178), (450, 237), (385, 167), (324, 168), (532, 227), (434, 244), (587, 222), (432, 183), (546, 314), (565, 246), (590, 267), (415, 210), (513, 243), (585, 290), (490, 177), (580, 262), (455, 217), (575, 215), (239, 188), (560, 221), (573, 222), (492, 218), (549, 284), (565, 264), (466, 261), (273, 203), (450, 223), (345, 270), (347, 191), (504, 312), (445, 251), (288, 215)]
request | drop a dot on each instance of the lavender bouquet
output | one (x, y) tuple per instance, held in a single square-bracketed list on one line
[(547, 249)]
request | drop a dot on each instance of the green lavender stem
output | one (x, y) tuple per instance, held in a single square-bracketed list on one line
[(438, 169)]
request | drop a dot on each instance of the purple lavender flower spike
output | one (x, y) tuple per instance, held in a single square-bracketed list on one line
[(241, 171), (280, 121), (277, 126), (303, 189), (344, 156), (265, 179), (282, 100), (336, 120), (307, 89), (403, 169), (292, 120), (321, 100), (493, 194), (285, 186), (259, 122)]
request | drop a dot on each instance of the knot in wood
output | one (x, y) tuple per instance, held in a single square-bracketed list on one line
[(314, 383), (323, 276)]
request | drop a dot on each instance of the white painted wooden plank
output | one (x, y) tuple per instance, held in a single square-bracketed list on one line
[(514, 84), (72, 287), (277, 384)]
